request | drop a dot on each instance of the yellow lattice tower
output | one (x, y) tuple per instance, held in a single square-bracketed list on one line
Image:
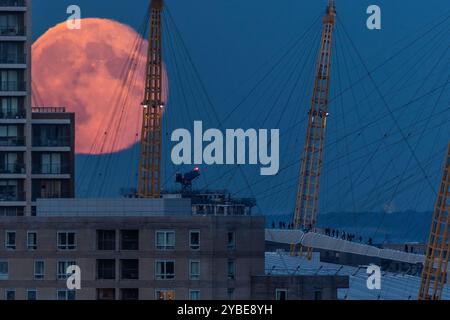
[(149, 181), (434, 273), (305, 216)]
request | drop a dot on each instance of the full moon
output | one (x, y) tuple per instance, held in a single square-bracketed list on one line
[(83, 70)]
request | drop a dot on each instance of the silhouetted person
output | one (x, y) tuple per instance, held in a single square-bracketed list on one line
[(406, 248), (280, 224), (370, 241), (273, 225), (360, 239)]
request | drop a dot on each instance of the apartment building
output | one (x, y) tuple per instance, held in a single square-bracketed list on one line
[(142, 249), (36, 146)]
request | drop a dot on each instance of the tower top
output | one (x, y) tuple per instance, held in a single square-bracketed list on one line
[(157, 4), (330, 13)]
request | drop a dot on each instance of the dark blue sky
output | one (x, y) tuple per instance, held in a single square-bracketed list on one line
[(230, 40)]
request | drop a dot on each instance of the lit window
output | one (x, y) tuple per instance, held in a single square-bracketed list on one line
[(165, 240), (164, 294)]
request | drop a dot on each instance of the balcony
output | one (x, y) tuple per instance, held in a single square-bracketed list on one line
[(13, 115), (12, 141), (12, 86), (51, 169), (12, 168), (12, 31), (12, 196), (51, 142), (13, 58), (12, 3)]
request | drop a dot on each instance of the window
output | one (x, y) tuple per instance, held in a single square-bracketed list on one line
[(4, 270), (129, 240), (129, 269), (281, 294), (10, 240), (10, 294), (164, 294), (31, 240), (106, 269), (194, 270), (31, 294), (231, 269), (194, 240), (62, 268), (231, 240), (106, 294), (230, 293), (194, 294), (65, 294), (165, 270), (66, 241), (165, 240), (51, 163), (129, 294), (106, 240), (318, 295), (39, 270)]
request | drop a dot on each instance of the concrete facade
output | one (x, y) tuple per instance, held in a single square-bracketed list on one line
[(36, 144)]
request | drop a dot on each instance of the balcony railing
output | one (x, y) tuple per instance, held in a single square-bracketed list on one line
[(13, 115), (49, 109), (12, 3), (12, 31), (12, 168), (12, 196), (12, 141), (12, 86), (13, 58), (47, 142), (51, 169)]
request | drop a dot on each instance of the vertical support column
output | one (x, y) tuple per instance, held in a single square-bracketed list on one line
[(28, 127)]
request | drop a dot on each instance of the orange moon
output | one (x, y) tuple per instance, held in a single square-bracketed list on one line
[(83, 70)]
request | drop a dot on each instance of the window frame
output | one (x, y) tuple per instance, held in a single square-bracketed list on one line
[(191, 291), (37, 276), (67, 246), (35, 293), (194, 277), (165, 292), (68, 263), (10, 247), (280, 290), (231, 276), (165, 246), (66, 294), (5, 277), (194, 247), (164, 276), (8, 291), (35, 245), (231, 246)]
